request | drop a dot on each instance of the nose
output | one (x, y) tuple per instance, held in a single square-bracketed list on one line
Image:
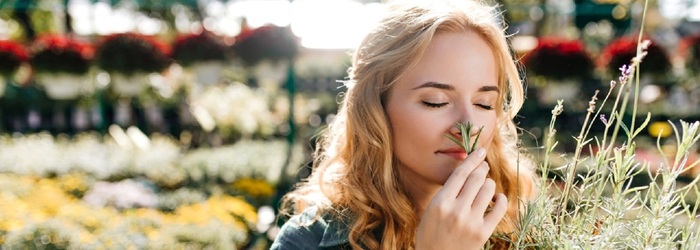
[(472, 129), (465, 119)]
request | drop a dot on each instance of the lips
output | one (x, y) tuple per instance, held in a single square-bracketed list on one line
[(457, 153)]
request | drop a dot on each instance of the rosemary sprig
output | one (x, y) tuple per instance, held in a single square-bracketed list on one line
[(465, 142)]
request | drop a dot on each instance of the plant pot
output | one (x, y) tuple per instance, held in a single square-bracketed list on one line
[(129, 85), (208, 73), (62, 86), (554, 90)]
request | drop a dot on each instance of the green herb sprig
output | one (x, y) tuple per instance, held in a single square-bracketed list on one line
[(465, 141)]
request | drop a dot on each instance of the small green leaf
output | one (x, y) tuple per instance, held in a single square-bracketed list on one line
[(644, 125), (465, 143)]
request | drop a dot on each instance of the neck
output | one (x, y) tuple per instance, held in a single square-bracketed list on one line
[(420, 191)]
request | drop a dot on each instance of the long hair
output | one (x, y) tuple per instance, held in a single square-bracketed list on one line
[(354, 167)]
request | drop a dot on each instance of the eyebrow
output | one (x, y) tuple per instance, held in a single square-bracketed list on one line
[(444, 86)]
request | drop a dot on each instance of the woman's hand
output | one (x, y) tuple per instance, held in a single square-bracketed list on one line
[(456, 217)]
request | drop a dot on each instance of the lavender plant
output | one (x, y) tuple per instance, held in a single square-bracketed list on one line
[(593, 205)]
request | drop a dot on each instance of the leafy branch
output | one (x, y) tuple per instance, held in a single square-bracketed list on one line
[(465, 142)]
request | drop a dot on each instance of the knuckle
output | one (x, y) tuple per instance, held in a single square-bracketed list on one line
[(490, 183), (460, 172), (475, 160), (485, 165), (442, 209), (482, 171)]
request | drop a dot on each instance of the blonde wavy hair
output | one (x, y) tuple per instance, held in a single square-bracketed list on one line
[(355, 171)]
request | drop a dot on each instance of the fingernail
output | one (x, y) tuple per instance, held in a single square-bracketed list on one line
[(481, 152)]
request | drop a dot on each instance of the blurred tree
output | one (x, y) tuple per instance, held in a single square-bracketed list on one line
[(617, 12), (522, 11), (21, 13), (67, 20)]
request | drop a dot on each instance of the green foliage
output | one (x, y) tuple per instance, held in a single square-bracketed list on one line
[(595, 200), (465, 140)]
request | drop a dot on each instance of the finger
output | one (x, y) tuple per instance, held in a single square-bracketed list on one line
[(485, 196), (454, 183), (500, 207), (474, 183)]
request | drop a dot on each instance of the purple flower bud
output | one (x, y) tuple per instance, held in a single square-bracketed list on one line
[(603, 119), (625, 70)]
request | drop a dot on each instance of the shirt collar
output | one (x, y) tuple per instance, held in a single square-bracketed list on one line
[(336, 233)]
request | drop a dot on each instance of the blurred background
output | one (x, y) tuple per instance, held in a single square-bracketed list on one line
[(160, 124)]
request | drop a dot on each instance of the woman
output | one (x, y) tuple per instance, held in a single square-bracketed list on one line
[(386, 176)]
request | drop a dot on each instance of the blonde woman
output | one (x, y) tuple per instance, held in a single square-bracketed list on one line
[(386, 177)]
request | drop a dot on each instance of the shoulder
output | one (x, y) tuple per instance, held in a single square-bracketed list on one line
[(309, 230)]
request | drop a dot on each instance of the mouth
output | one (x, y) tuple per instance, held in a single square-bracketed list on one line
[(456, 153)]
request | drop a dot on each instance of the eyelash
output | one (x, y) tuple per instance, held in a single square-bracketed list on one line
[(440, 105), (486, 107), (434, 105)]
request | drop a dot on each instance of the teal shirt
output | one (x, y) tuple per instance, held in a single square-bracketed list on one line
[(302, 232)]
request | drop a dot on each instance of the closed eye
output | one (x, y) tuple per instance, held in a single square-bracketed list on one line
[(434, 105), (486, 107)]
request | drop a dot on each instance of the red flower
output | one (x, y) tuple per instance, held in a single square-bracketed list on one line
[(56, 53), (129, 53), (559, 59), (621, 51), (266, 42), (12, 55), (192, 48)]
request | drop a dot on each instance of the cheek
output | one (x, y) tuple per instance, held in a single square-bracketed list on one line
[(403, 124), (414, 132), (489, 133)]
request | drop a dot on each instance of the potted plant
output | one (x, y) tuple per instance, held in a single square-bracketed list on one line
[(12, 55), (129, 59), (559, 65), (205, 53), (619, 52), (61, 65), (267, 50)]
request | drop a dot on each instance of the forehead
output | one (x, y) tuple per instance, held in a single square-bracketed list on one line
[(459, 58)]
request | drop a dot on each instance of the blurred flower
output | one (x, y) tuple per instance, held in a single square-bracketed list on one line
[(53, 234), (130, 53), (37, 214), (689, 49), (169, 201), (621, 51), (60, 54), (226, 209), (122, 195), (559, 59), (193, 48), (660, 129), (237, 110), (12, 55), (267, 42), (257, 188)]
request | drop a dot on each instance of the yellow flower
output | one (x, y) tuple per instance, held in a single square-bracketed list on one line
[(660, 129), (73, 182), (226, 209), (257, 188)]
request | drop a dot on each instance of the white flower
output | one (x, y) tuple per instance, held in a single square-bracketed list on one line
[(123, 194)]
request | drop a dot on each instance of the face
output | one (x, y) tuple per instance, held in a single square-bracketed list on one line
[(456, 80)]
